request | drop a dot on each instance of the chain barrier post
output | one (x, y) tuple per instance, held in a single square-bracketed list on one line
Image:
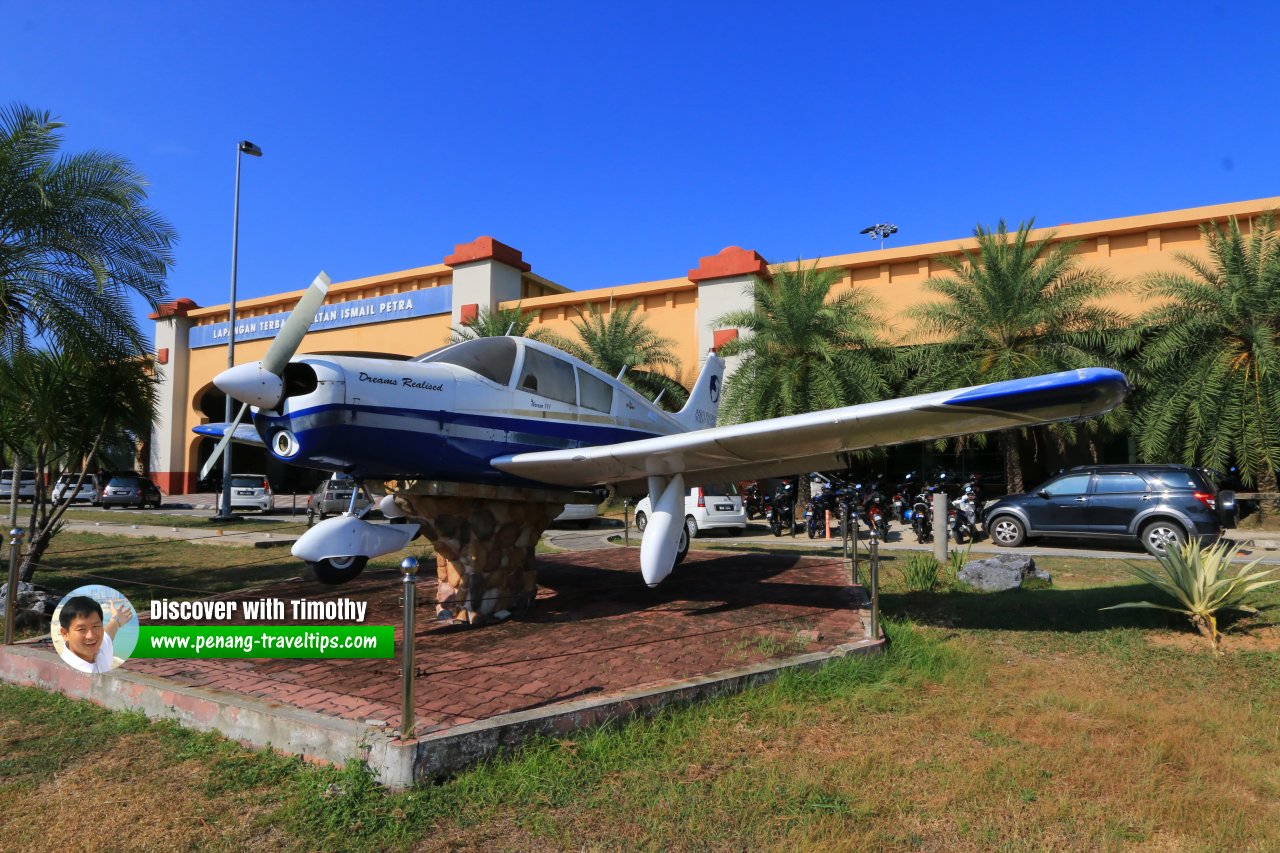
[(11, 600), (409, 568), (626, 522), (875, 584)]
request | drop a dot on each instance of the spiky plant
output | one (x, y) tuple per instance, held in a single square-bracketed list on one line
[(1014, 308), (1202, 583), (922, 573), (1210, 368)]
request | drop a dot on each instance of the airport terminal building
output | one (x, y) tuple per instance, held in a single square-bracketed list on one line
[(406, 313)]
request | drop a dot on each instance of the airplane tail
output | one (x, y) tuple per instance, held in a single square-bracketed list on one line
[(704, 400)]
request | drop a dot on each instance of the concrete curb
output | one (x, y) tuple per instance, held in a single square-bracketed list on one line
[(396, 762)]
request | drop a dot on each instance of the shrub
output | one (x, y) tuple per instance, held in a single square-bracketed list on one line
[(1201, 581), (921, 573)]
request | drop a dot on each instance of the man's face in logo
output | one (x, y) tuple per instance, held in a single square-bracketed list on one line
[(715, 388)]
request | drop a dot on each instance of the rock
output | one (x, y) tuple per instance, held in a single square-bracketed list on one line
[(1002, 572), (35, 605)]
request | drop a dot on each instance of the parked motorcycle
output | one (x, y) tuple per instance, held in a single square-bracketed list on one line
[(922, 516), (963, 518)]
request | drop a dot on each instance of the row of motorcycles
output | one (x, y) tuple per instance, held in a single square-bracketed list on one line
[(870, 503)]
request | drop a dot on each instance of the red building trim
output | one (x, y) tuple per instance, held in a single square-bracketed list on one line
[(486, 248), (731, 261)]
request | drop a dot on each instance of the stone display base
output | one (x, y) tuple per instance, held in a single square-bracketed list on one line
[(484, 538)]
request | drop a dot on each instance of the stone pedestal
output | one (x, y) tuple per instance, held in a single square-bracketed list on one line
[(484, 538)]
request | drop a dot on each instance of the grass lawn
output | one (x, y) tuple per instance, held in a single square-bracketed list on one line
[(1013, 721)]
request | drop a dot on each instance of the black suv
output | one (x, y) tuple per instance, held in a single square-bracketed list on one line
[(1158, 505)]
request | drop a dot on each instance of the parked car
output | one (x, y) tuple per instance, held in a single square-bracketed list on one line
[(26, 485), (1157, 506), (249, 491), (131, 490), (89, 491), (333, 497), (712, 507), (579, 515)]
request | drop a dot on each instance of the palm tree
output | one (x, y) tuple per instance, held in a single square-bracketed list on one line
[(1210, 366), (1012, 309), (496, 323), (806, 350), (622, 339), (76, 239), (63, 409)]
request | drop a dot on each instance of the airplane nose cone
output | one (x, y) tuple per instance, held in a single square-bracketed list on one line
[(250, 383)]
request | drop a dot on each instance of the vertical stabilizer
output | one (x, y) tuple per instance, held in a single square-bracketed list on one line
[(704, 400)]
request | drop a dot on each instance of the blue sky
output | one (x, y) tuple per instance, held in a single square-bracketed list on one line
[(615, 145)]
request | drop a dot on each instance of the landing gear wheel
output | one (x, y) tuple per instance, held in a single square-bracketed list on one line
[(336, 570), (1008, 532), (642, 521), (691, 527), (682, 548), (1159, 536)]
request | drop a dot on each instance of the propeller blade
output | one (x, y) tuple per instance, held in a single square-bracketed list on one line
[(295, 328), (222, 445)]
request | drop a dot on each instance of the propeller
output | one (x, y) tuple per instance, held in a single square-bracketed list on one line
[(261, 383)]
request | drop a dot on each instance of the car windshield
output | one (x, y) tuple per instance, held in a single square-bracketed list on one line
[(492, 358), (246, 481), (720, 489), (126, 482)]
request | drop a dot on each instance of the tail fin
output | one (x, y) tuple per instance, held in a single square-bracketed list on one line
[(704, 401)]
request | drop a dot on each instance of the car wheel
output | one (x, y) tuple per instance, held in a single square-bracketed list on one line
[(336, 570), (691, 526), (1159, 535), (1007, 531), (642, 521)]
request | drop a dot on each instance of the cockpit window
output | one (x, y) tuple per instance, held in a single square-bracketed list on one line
[(547, 376), (596, 393), (492, 358)]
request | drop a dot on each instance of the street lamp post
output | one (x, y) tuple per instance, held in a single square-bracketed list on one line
[(881, 230), (244, 147)]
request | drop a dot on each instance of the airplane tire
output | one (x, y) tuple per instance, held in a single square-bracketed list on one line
[(682, 549), (642, 521), (336, 570)]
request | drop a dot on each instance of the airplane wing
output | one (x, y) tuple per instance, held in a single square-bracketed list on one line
[(817, 441), (244, 434)]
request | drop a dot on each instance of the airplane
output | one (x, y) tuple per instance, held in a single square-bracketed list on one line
[(517, 412)]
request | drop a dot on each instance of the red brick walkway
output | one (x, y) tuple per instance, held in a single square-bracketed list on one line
[(596, 629)]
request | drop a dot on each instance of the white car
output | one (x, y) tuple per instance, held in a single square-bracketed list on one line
[(89, 490), (26, 485), (713, 507), (249, 491)]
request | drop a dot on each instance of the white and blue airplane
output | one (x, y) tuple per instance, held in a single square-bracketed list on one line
[(514, 411)]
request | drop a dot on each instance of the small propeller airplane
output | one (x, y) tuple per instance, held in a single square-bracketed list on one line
[(514, 411)]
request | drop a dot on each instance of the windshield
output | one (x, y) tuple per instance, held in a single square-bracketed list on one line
[(241, 481), (492, 358), (125, 482)]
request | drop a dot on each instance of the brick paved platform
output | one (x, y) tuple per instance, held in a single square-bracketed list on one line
[(598, 644)]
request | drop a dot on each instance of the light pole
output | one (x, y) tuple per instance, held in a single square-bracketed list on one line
[(244, 147), (880, 230)]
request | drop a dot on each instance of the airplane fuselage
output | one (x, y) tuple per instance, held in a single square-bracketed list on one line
[(438, 419)]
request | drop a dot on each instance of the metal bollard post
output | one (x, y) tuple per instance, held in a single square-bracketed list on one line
[(941, 530), (875, 585), (11, 602), (626, 522), (853, 535), (293, 505), (409, 567)]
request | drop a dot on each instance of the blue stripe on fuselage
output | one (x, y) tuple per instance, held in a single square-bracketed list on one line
[(379, 451)]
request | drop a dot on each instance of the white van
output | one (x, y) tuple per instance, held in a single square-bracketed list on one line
[(26, 485), (713, 507)]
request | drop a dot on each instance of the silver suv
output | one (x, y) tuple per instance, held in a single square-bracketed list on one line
[(333, 497)]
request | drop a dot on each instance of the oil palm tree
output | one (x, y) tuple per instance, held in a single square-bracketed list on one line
[(806, 350), (1011, 309), (622, 339), (1210, 364), (76, 241), (496, 323)]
